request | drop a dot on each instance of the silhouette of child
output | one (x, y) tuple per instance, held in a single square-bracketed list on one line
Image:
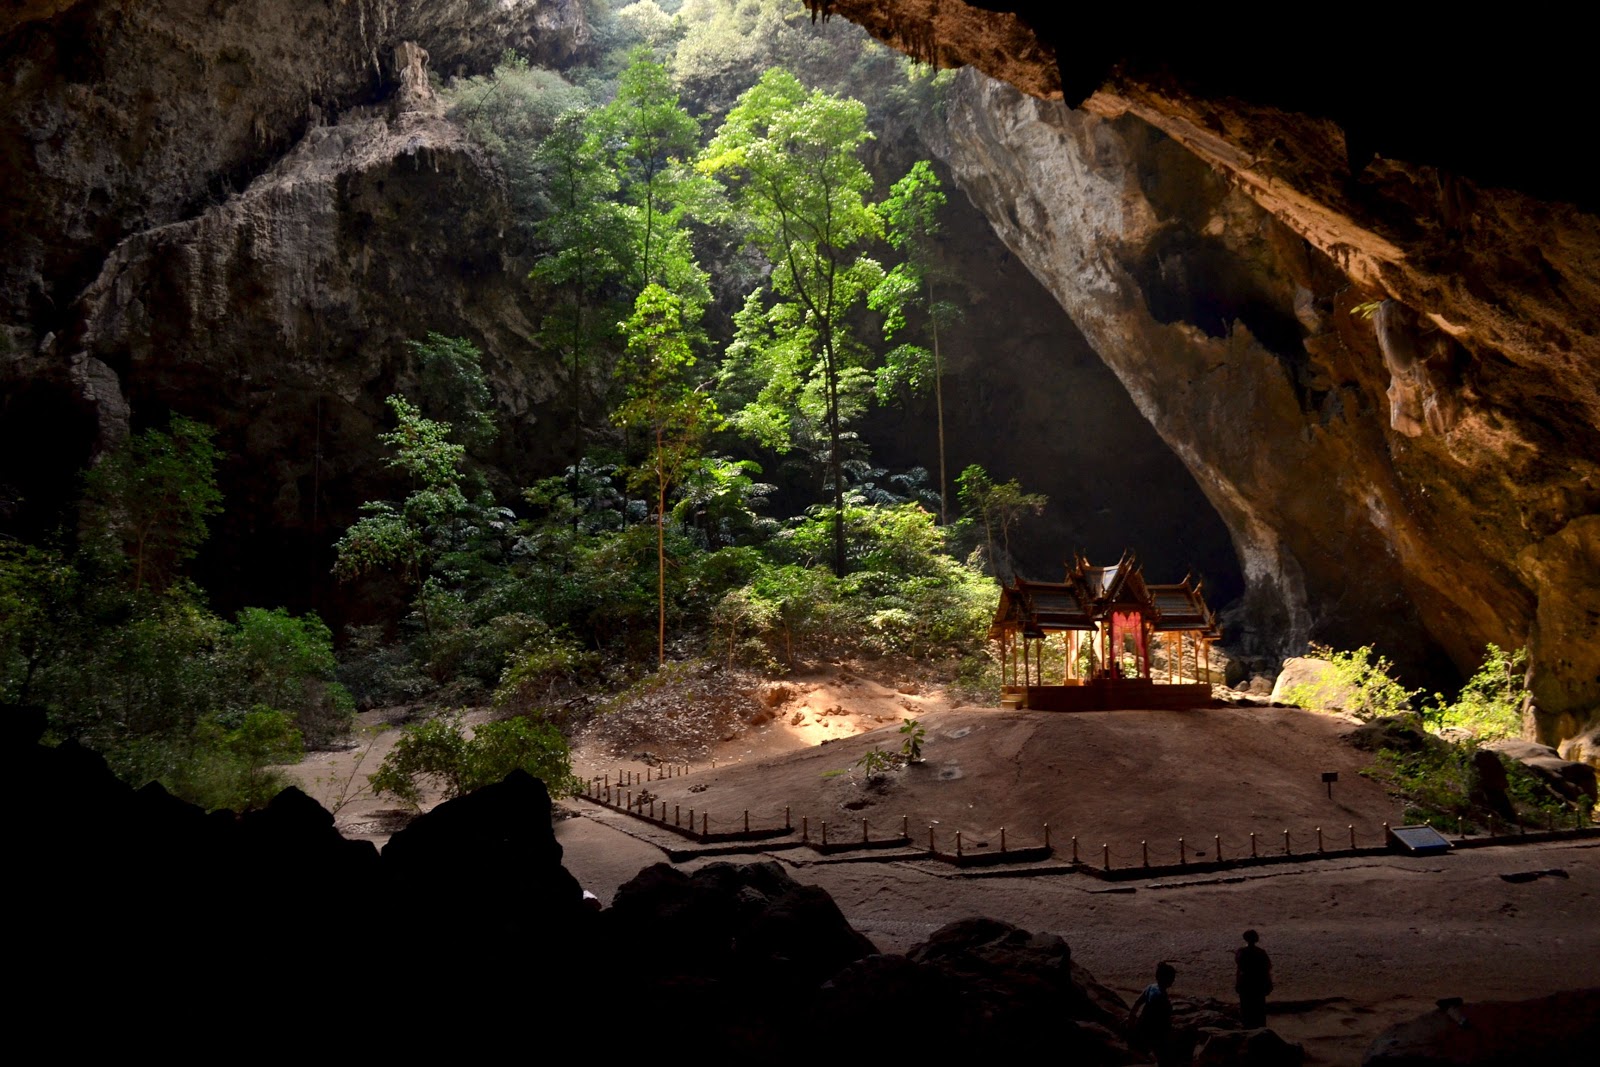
[(1150, 1018)]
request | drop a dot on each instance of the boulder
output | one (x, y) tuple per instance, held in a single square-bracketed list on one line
[(1313, 682), (1584, 748), (1245, 1048), (1569, 779), (1402, 733)]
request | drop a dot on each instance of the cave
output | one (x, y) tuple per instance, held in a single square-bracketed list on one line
[(1312, 319)]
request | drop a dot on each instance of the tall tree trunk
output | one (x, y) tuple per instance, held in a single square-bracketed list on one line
[(661, 554), (835, 467), (938, 403)]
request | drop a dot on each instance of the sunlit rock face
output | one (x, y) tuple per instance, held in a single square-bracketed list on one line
[(1423, 475)]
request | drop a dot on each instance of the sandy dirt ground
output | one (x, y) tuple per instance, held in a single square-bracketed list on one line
[(1358, 943)]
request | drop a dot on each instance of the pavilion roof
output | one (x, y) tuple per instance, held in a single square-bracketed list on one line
[(1089, 595)]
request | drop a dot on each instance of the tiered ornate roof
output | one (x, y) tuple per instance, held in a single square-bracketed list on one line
[(1091, 593)]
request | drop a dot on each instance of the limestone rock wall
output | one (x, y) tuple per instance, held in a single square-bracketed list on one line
[(240, 212), (1425, 474)]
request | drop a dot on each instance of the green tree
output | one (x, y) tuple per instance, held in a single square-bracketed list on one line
[(651, 136), (438, 752), (662, 403), (275, 660), (454, 388), (584, 239), (791, 160), (149, 500), (998, 506), (911, 223)]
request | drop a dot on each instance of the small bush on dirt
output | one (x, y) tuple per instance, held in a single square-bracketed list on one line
[(1439, 784), (911, 747), (438, 752), (1490, 703), (1363, 681)]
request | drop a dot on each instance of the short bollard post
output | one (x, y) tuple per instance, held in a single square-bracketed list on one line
[(1458, 826), (1491, 825), (1002, 839), (863, 831), (630, 800), (958, 844), (1105, 851), (1286, 843), (705, 823), (1252, 844), (1216, 846), (746, 820), (1386, 835), (1319, 839), (905, 827), (1047, 837), (824, 833), (608, 780), (691, 820), (930, 842), (805, 829), (1074, 846), (1145, 847), (1352, 837), (676, 820), (786, 824), (647, 772), (652, 809)]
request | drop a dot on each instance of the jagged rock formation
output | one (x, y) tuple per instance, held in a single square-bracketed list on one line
[(141, 281), (1433, 474)]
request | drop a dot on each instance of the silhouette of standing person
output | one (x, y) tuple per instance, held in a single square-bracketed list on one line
[(1150, 1018), (1252, 980)]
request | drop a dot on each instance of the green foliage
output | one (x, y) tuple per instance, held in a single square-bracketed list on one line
[(1439, 785), (454, 388), (998, 507), (791, 160), (263, 737), (147, 502), (1361, 680), (540, 667), (876, 762), (438, 754), (273, 659), (1490, 703), (914, 733), (509, 113), (39, 595)]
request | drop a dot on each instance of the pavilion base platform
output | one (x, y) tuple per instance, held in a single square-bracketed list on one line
[(1116, 694)]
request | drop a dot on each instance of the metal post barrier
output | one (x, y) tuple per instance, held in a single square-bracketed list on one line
[(863, 831), (1183, 860), (905, 827), (1216, 845), (931, 849), (1252, 844), (958, 844), (1106, 853), (1047, 836), (676, 821), (746, 820), (1319, 839), (705, 823), (1074, 846), (1286, 851), (1145, 847), (805, 829), (1352, 837), (1002, 839), (824, 833), (787, 825)]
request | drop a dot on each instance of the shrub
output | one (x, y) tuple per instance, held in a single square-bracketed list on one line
[(1490, 703), (273, 659), (439, 753), (1361, 680)]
